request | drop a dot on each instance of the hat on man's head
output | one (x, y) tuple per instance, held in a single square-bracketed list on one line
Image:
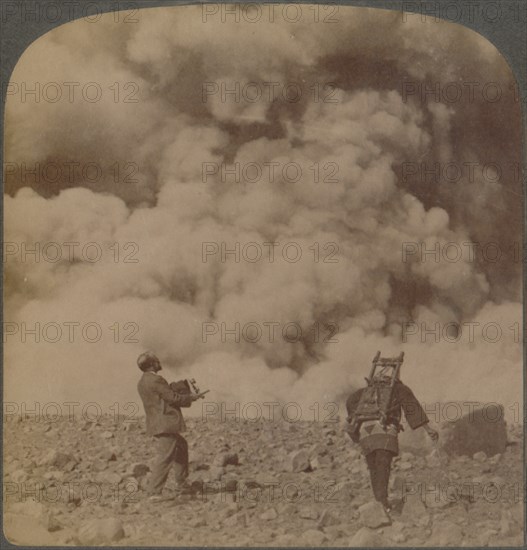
[(146, 360)]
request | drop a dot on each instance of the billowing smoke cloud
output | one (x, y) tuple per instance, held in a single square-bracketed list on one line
[(368, 131)]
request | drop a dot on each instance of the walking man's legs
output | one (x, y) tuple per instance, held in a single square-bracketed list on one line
[(379, 464), (181, 460), (172, 450)]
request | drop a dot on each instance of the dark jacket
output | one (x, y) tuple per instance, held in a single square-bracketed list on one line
[(162, 405), (373, 436)]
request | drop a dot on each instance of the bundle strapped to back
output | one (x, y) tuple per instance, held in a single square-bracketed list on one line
[(375, 403)]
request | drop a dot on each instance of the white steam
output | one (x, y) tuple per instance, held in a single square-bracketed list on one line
[(369, 212)]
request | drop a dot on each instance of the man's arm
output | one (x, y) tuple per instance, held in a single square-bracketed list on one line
[(163, 390), (352, 402), (414, 413)]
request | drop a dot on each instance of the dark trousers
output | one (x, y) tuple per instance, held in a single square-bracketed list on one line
[(379, 464), (172, 452)]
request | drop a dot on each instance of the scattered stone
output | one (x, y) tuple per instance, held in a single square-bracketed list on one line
[(365, 537), (395, 532), (480, 456), (19, 476), (269, 514), (505, 527), (328, 519), (107, 435), (343, 492), (54, 474), (61, 461), (26, 531), (139, 470), (231, 485), (308, 513), (108, 455), (298, 461), (225, 459), (197, 522), (447, 533), (414, 511), (237, 520), (433, 460), (100, 531), (112, 478), (372, 515), (314, 537), (215, 473), (88, 426), (131, 427), (437, 497)]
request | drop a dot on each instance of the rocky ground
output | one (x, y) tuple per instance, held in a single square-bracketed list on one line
[(257, 484)]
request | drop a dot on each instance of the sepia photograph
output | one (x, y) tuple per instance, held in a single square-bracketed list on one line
[(263, 273)]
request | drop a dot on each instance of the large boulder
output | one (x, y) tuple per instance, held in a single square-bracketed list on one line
[(465, 428), (482, 430)]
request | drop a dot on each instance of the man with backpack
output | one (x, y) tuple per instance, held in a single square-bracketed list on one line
[(374, 417)]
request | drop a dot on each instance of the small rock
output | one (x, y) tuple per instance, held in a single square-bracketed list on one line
[(414, 510), (215, 473), (19, 476), (100, 531), (372, 515), (447, 533), (139, 470), (328, 519), (108, 455), (231, 485), (197, 522), (505, 527), (344, 492), (107, 435), (437, 498), (480, 456), (395, 532), (269, 514), (365, 537), (226, 459), (298, 461), (237, 520), (61, 461), (131, 426), (54, 474), (88, 426), (308, 513), (112, 478), (314, 537)]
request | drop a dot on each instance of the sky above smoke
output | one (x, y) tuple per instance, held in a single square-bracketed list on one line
[(366, 128)]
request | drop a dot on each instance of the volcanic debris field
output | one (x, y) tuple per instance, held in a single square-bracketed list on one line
[(261, 483)]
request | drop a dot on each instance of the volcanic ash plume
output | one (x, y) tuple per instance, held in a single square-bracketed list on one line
[(368, 297)]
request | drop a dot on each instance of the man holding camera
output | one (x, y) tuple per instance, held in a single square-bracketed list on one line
[(164, 421)]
